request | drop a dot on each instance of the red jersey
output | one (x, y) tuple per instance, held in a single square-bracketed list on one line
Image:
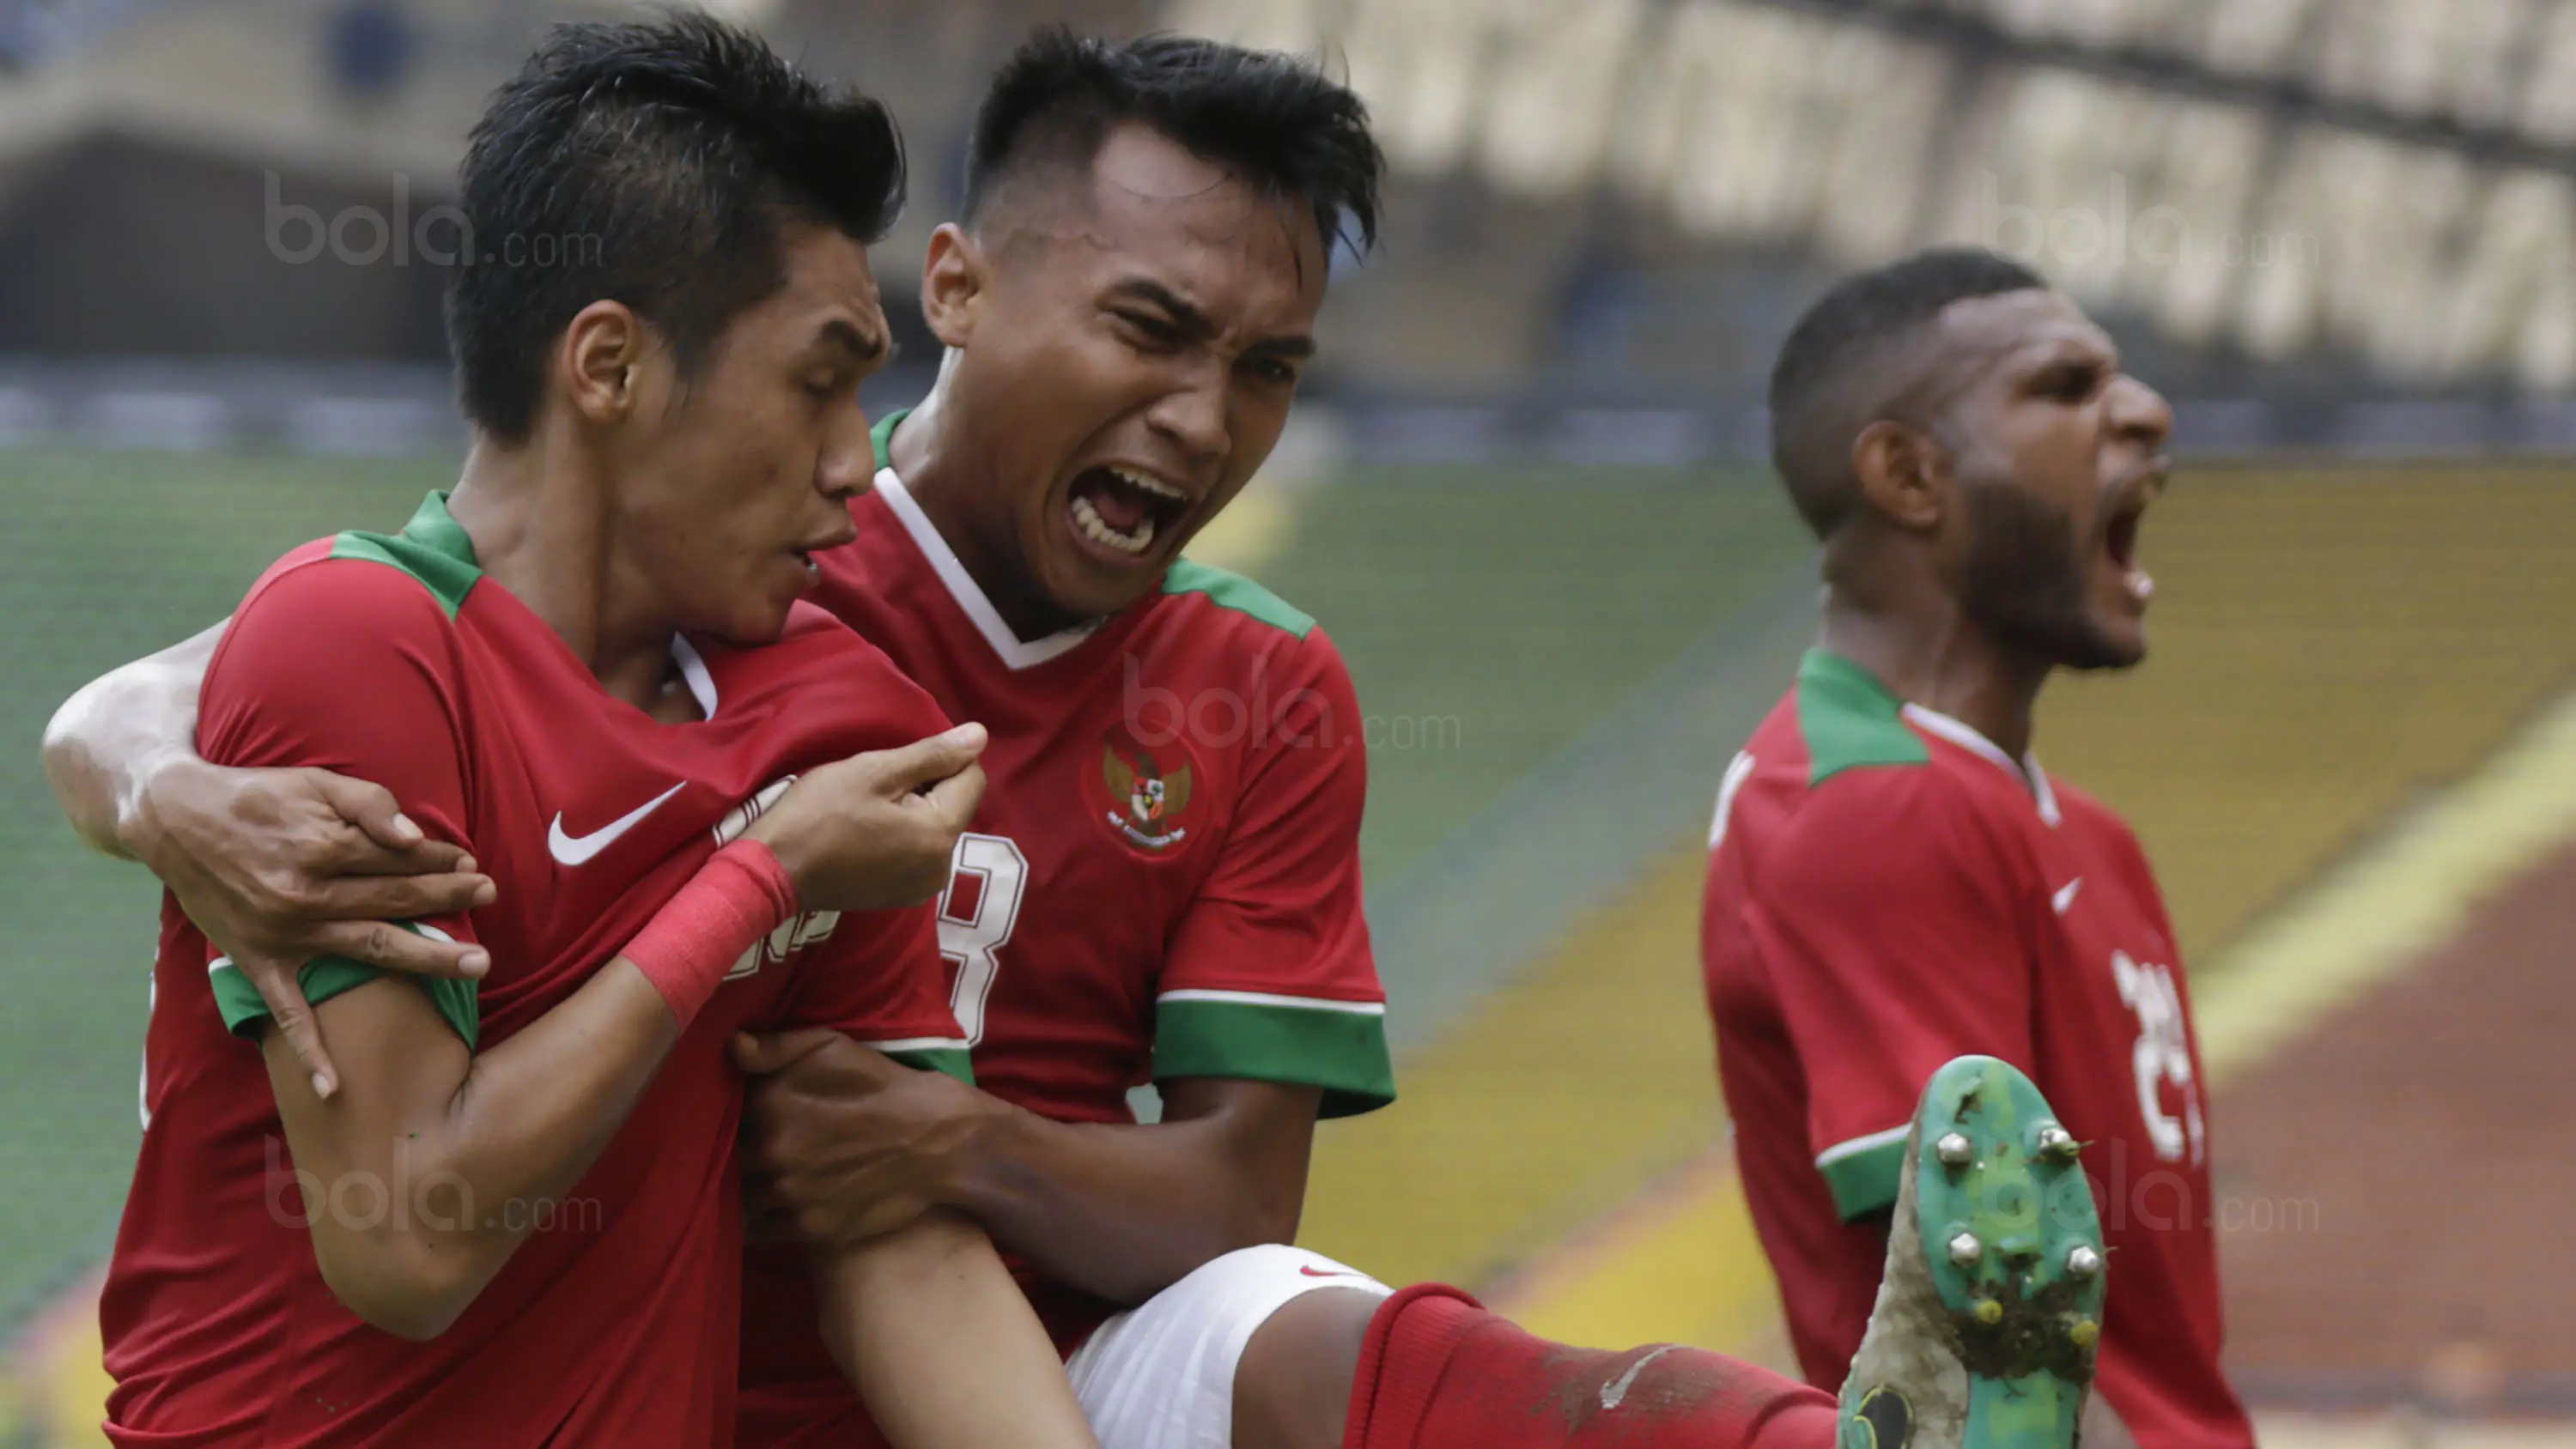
[(1163, 879), (1888, 889), (615, 1322)]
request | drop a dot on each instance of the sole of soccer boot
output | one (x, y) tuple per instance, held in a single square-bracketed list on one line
[(1987, 1323)]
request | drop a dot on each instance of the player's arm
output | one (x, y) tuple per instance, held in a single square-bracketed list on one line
[(1270, 1013), (434, 1162), (942, 1343), (1888, 911), (476, 1145), (110, 737), (276, 866), (857, 1144)]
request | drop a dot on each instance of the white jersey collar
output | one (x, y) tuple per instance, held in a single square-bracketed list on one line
[(693, 672), (1965, 736), (1015, 652)]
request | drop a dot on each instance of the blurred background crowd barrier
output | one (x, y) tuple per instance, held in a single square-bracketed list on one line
[(1525, 492)]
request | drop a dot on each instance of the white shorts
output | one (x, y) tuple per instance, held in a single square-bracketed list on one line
[(1161, 1376)]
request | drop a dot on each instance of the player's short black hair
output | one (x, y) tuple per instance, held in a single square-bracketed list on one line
[(1827, 385), (1276, 119), (653, 164)]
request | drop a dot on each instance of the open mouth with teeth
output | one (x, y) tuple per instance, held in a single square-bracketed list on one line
[(2120, 542), (1122, 510)]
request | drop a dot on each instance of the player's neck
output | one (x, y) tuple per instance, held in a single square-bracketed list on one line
[(932, 453), (540, 529), (1934, 658)]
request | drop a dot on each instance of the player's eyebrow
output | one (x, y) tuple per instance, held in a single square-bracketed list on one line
[(863, 347), (1292, 347), (1199, 326), (1184, 313)]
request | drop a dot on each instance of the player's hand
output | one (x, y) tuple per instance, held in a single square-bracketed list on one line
[(875, 831), (278, 867), (855, 1145)]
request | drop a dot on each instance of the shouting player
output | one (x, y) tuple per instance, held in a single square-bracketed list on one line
[(1894, 880), (1163, 884), (515, 1220)]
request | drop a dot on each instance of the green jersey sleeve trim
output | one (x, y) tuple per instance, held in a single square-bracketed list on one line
[(1863, 1173), (881, 437), (432, 548), (930, 1054), (324, 977), (1848, 719), (1339, 1046), (1234, 591)]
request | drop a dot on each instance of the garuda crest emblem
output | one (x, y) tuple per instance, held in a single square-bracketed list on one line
[(1148, 799)]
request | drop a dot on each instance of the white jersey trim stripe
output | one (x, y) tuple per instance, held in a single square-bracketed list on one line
[(918, 1044), (1965, 736), (1016, 653), (1858, 1145), (1264, 998)]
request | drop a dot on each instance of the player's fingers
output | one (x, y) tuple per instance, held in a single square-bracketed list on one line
[(382, 944), (289, 1012), (759, 1055), (370, 807), (953, 800), (399, 897), (909, 767), (364, 855)]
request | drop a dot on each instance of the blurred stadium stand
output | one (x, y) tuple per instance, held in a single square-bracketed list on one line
[(2328, 225)]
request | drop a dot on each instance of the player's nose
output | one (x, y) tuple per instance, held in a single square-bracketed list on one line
[(2138, 414), (848, 459), (1194, 417)]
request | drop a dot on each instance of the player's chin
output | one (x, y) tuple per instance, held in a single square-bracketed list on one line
[(1086, 580), (2108, 641), (760, 616)]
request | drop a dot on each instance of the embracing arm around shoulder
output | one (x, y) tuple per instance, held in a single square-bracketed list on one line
[(277, 866), (109, 738)]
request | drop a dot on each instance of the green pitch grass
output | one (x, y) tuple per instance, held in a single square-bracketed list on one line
[(1488, 616)]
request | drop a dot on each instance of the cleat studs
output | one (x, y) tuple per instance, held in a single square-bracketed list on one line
[(1955, 1150), (1989, 1311), (2083, 1333), (2056, 1144), (1965, 1250), (2083, 1262)]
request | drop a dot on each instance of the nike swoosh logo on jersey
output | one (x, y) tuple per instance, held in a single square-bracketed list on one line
[(572, 849), (1311, 1271), (2066, 896)]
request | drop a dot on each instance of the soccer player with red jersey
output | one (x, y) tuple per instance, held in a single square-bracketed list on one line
[(515, 1220), (1163, 883), (1893, 880)]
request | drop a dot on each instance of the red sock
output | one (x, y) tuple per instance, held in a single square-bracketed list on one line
[(1439, 1372)]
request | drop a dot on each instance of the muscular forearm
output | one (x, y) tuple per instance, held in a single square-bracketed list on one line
[(105, 742), (942, 1345), (478, 1153), (1126, 1211)]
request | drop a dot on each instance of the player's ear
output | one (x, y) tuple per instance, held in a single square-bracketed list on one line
[(598, 360), (1900, 469), (954, 279)]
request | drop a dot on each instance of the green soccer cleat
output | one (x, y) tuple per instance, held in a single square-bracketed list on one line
[(1984, 1332)]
